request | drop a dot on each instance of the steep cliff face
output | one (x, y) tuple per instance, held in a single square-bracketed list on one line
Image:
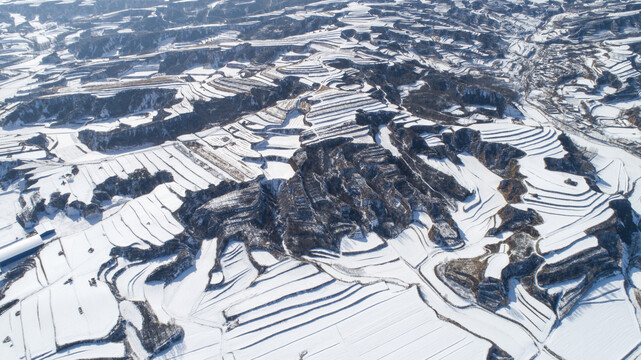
[(284, 26), (502, 159), (177, 62), (340, 188), (575, 161), (409, 144), (444, 90), (67, 109), (35, 206), (32, 205), (138, 183), (206, 114)]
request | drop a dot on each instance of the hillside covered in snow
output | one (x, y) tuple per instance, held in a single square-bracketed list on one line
[(293, 179)]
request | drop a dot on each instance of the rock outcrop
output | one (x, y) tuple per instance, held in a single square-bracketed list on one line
[(139, 182), (65, 109), (340, 188), (206, 113)]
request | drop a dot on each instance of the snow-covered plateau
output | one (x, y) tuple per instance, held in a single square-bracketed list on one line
[(339, 179)]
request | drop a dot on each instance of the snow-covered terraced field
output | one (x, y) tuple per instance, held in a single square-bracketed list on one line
[(320, 180), (567, 209)]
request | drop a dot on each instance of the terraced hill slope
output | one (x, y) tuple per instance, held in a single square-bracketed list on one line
[(292, 179)]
